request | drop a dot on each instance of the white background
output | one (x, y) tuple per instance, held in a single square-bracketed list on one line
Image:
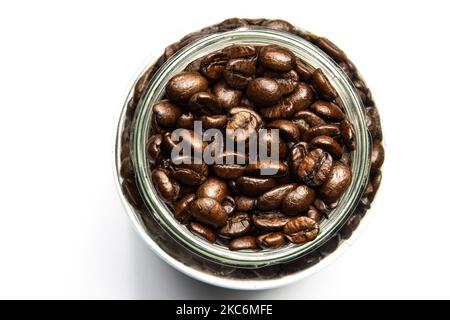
[(64, 70)]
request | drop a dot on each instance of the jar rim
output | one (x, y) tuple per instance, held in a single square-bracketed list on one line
[(348, 98)]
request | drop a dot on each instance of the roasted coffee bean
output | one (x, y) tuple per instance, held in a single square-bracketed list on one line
[(272, 199), (331, 49), (229, 205), (330, 130), (227, 97), (323, 86), (313, 213), (373, 122), (239, 51), (188, 172), (377, 157), (181, 210), (323, 207), (266, 168), (312, 119), (315, 167), (242, 124), (263, 91), (348, 228), (278, 25), (297, 153), (287, 81), (213, 188), (337, 183), (186, 121), (276, 58), (239, 72), (228, 171), (288, 130), (237, 225), (126, 169), (167, 188), (244, 203), (166, 113), (203, 231), (217, 122), (348, 135), (328, 110), (154, 147), (243, 243), (301, 230), (271, 240), (204, 103), (328, 144), (184, 85), (298, 200), (213, 65), (270, 220), (304, 70), (253, 186), (269, 138), (208, 211)]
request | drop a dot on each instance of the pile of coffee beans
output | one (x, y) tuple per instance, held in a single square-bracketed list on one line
[(251, 88)]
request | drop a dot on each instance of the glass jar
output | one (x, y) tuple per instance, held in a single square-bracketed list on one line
[(214, 263)]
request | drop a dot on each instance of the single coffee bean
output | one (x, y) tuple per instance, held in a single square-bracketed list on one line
[(217, 122), (323, 86), (238, 72), (242, 124), (312, 119), (208, 211), (184, 85), (301, 230), (377, 157), (213, 65), (188, 172), (204, 103), (288, 130), (315, 167), (237, 225), (263, 91), (186, 121), (297, 153), (167, 188), (328, 144), (254, 186), (331, 49), (270, 220), (330, 130), (243, 243), (154, 147), (271, 240), (244, 203), (348, 134), (272, 199), (304, 70), (298, 200), (314, 214), (181, 210), (267, 168), (228, 171), (328, 110), (213, 188), (239, 51), (324, 208), (278, 25), (276, 58), (229, 205), (337, 183), (203, 231), (227, 97), (166, 113), (373, 122)]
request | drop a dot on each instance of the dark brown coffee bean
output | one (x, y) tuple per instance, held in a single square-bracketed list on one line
[(228, 171), (208, 211), (244, 203), (269, 138), (186, 121), (328, 110), (194, 140), (330, 130), (188, 172), (315, 168), (297, 153), (377, 157), (167, 188), (204, 103), (328, 144), (239, 51), (243, 243), (213, 65), (324, 208), (243, 123), (184, 85), (239, 72), (288, 130), (271, 240), (276, 58), (312, 119), (304, 70), (348, 228), (337, 183), (278, 25), (376, 181), (203, 231), (301, 230), (345, 67), (154, 147), (126, 169), (213, 188), (253, 186), (217, 122), (237, 225), (373, 122), (272, 199), (348, 134), (263, 91), (270, 220), (229, 205), (298, 200), (314, 214), (323, 86), (267, 168), (181, 210), (331, 49), (166, 113), (227, 97)]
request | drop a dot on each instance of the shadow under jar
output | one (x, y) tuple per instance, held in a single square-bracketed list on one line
[(187, 245)]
